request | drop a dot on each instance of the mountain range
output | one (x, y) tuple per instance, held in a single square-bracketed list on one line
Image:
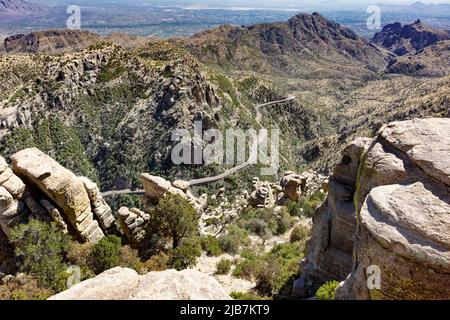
[(106, 107), (18, 7)]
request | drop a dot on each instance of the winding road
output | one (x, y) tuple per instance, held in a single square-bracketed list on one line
[(226, 173)]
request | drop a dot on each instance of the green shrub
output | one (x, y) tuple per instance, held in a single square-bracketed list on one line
[(274, 271), (211, 246), (174, 217), (310, 205), (234, 239), (106, 254), (326, 292), (265, 222), (248, 266), (300, 233), (248, 296), (24, 287), (284, 222), (129, 258), (41, 247), (294, 209), (158, 262), (185, 255), (223, 267)]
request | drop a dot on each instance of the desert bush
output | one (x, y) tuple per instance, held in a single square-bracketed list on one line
[(211, 246), (40, 247), (300, 233), (23, 287), (294, 208), (223, 267), (185, 255), (248, 296), (273, 271), (105, 254), (265, 222), (310, 205), (234, 239), (284, 222), (129, 258), (158, 262), (326, 292), (248, 265)]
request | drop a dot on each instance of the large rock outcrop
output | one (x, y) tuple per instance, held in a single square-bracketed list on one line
[(37, 187), (157, 187), (329, 250), (61, 186), (126, 284), (403, 209), (409, 38), (388, 210)]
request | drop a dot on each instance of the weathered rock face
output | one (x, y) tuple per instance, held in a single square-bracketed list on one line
[(409, 38), (126, 284), (404, 214), (329, 251), (50, 41), (262, 195), (60, 185), (99, 206), (16, 203), (132, 222), (157, 187)]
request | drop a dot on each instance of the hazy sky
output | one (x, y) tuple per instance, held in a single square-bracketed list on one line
[(254, 2)]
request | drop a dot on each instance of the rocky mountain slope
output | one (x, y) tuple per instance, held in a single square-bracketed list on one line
[(387, 206), (50, 41), (307, 46), (410, 38), (432, 61), (96, 108), (18, 7)]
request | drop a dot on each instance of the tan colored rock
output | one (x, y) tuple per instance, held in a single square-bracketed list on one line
[(262, 195), (426, 142), (3, 165), (126, 284), (292, 185), (182, 185), (62, 187), (403, 208), (155, 187), (133, 223), (15, 186), (54, 213), (329, 250), (98, 205)]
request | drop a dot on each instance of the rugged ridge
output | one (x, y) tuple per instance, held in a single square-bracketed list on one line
[(50, 41), (329, 250), (296, 47), (18, 7), (410, 38)]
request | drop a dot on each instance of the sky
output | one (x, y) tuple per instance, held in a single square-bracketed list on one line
[(252, 2)]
